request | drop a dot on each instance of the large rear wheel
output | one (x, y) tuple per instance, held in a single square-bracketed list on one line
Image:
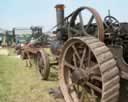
[(88, 71)]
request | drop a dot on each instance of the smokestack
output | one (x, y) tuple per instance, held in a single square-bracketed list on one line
[(60, 15), (60, 20)]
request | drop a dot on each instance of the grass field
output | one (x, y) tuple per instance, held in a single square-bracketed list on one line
[(21, 84)]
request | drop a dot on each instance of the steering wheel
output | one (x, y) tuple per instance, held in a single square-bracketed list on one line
[(112, 23)]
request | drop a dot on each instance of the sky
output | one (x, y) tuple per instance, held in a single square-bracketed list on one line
[(26, 13)]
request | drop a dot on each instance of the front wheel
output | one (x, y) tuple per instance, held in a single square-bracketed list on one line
[(43, 64)]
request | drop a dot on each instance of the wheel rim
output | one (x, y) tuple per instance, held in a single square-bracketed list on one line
[(75, 71)]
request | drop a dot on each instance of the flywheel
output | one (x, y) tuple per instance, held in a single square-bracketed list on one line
[(88, 71)]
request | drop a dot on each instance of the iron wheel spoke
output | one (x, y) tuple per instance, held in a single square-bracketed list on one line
[(76, 52), (82, 59), (74, 60), (89, 58), (92, 86), (69, 65)]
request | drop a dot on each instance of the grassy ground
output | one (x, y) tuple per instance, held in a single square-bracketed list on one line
[(21, 84)]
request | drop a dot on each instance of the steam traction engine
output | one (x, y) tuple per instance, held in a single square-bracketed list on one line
[(32, 49), (92, 55)]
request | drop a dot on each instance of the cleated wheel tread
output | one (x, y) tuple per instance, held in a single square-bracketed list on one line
[(107, 66)]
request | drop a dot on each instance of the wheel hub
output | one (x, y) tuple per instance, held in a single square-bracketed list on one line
[(79, 75)]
